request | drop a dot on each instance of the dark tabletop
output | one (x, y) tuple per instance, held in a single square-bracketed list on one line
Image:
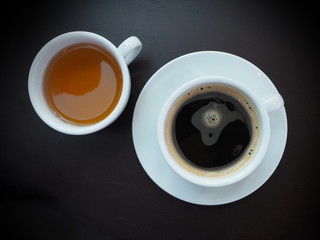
[(58, 186)]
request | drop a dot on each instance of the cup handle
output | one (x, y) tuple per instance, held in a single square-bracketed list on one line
[(273, 102), (130, 48)]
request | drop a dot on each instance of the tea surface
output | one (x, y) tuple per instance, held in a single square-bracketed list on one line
[(83, 84)]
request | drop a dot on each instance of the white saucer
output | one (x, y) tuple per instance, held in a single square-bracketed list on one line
[(161, 85)]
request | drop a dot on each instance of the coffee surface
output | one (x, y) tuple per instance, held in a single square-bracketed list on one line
[(83, 84), (212, 129)]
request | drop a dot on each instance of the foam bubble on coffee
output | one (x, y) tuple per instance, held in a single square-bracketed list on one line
[(208, 120)]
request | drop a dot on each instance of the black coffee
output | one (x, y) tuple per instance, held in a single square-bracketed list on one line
[(212, 129)]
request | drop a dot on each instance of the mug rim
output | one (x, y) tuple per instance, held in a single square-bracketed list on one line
[(249, 167), (38, 68)]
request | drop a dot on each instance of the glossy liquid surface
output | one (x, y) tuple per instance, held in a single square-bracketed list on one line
[(212, 130), (83, 84)]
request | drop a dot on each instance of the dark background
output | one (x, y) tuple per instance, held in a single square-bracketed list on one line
[(57, 186)]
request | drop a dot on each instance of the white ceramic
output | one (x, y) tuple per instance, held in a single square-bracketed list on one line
[(162, 85), (124, 54), (261, 107)]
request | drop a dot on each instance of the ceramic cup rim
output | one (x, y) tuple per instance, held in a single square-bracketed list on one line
[(250, 166), (37, 70)]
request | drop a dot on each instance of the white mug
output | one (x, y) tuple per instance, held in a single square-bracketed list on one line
[(124, 55), (229, 174)]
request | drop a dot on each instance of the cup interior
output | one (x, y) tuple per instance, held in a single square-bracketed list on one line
[(36, 77), (220, 176)]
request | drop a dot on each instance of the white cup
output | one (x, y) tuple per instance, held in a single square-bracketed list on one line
[(124, 55), (230, 174)]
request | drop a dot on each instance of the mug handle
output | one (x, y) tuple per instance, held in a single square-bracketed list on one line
[(130, 48), (273, 102)]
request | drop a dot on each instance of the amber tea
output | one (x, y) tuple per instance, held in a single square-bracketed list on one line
[(83, 84)]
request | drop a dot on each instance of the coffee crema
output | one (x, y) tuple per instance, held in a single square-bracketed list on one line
[(212, 130), (83, 84)]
